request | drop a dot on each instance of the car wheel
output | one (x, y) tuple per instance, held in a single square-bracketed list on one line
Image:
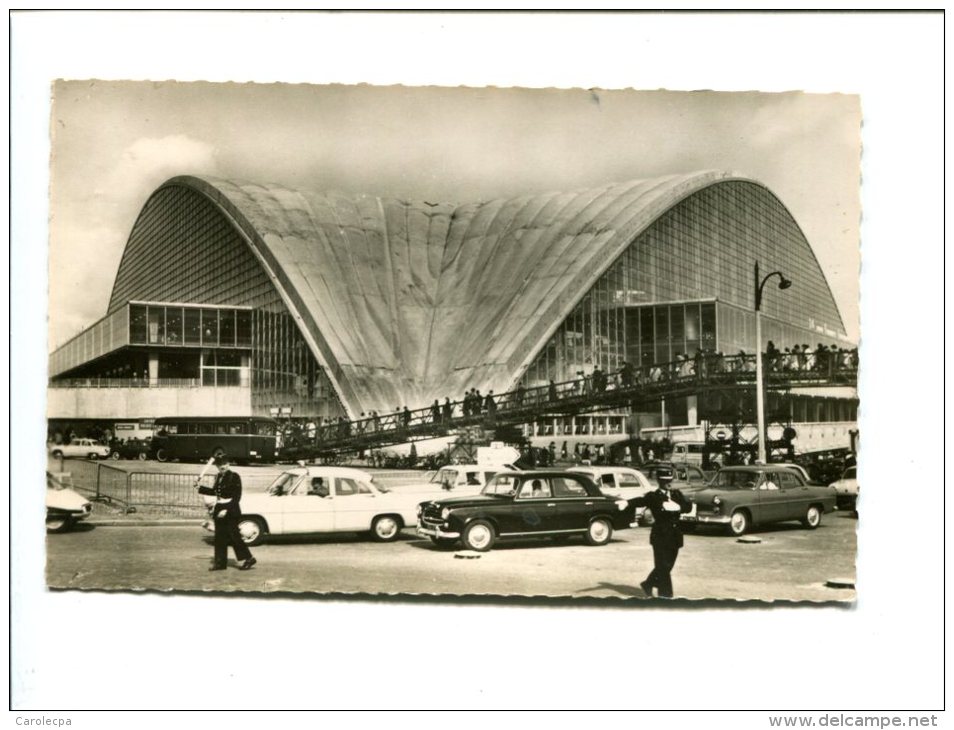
[(443, 542), (114, 456), (91, 456), (142, 456), (161, 455), (252, 530), (812, 518), (739, 522), (57, 454), (599, 532), (57, 524), (478, 535), (385, 528)]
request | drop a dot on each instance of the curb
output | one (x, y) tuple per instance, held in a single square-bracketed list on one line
[(172, 522)]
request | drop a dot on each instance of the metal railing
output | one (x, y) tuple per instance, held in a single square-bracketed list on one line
[(128, 383), (686, 376), (148, 493)]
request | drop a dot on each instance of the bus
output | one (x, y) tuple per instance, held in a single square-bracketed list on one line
[(246, 439)]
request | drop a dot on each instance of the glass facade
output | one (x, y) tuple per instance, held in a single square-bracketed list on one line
[(182, 249), (187, 326), (687, 283)]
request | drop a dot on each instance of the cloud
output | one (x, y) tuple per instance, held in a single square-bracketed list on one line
[(88, 234), (148, 161)]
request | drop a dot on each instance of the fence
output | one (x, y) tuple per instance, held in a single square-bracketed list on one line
[(149, 493), (163, 494)]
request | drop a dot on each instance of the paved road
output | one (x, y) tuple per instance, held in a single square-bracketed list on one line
[(789, 563)]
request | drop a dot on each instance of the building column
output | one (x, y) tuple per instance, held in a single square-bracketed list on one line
[(692, 410), (153, 369), (245, 379)]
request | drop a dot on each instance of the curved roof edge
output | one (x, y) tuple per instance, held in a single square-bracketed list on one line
[(412, 263)]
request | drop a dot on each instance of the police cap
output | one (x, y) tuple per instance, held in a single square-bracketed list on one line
[(664, 473)]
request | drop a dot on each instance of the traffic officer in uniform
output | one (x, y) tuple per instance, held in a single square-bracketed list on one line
[(666, 505), (227, 490)]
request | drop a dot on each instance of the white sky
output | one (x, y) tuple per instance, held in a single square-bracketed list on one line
[(115, 142)]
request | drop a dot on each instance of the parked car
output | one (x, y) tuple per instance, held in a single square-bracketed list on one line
[(525, 504), (131, 449), (621, 482), (81, 449), (325, 499), (64, 507), (740, 497), (686, 476), (463, 478), (846, 489)]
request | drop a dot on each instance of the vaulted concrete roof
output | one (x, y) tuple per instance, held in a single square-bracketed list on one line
[(406, 302)]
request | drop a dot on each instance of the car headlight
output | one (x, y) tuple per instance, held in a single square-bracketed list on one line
[(621, 504), (716, 501), (420, 510), (445, 513)]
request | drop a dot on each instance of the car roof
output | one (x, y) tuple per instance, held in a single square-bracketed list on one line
[(530, 473), (330, 471), (599, 469)]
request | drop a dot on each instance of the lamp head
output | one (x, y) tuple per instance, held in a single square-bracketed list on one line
[(784, 283)]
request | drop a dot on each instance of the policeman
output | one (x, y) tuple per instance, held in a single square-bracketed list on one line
[(666, 505), (227, 490)]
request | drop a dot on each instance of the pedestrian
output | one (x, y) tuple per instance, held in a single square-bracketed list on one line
[(406, 417), (666, 505), (552, 392), (436, 412), (227, 490), (490, 405), (448, 411)]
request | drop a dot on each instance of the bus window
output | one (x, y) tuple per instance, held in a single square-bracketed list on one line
[(235, 428), (263, 428)]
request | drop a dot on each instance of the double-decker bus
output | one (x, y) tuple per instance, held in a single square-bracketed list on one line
[(244, 438)]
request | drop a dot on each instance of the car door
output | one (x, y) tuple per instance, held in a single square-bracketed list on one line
[(631, 483), (795, 497), (772, 498), (304, 511), (574, 505), (355, 505), (533, 509)]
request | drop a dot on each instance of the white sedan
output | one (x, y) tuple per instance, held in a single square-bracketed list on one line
[(80, 448), (847, 489), (619, 481), (325, 499)]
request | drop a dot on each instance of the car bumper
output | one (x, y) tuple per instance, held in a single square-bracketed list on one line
[(707, 519), (432, 531)]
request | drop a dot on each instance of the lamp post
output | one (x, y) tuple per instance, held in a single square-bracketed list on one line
[(783, 283)]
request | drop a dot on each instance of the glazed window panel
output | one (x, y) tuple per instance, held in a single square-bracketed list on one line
[(193, 326), (138, 327), (210, 326), (227, 327)]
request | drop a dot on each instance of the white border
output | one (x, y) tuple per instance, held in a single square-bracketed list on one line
[(136, 652)]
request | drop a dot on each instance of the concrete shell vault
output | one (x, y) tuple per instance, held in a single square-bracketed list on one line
[(406, 302)]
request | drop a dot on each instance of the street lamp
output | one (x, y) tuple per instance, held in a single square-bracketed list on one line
[(783, 283)]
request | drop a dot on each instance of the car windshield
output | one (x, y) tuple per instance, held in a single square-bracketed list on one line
[(282, 484), (850, 473), (735, 480), (445, 476), (503, 485)]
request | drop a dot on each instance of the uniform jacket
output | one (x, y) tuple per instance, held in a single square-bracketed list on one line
[(227, 485), (665, 531)]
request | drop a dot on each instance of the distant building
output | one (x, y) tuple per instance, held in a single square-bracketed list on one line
[(238, 299)]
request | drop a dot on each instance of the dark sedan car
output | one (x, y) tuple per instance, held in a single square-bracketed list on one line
[(525, 504), (739, 497)]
